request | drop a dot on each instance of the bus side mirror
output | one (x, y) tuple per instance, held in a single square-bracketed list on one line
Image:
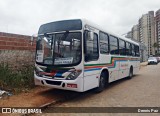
[(90, 35), (32, 38)]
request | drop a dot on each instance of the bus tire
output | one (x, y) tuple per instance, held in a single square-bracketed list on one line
[(102, 83), (130, 73)]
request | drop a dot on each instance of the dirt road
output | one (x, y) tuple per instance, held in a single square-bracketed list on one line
[(141, 91)]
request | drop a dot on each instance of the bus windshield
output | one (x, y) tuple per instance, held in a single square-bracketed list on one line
[(59, 49)]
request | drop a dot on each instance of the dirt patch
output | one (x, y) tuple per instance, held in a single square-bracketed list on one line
[(33, 98), (36, 97)]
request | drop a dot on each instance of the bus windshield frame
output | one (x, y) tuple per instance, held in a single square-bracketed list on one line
[(59, 49)]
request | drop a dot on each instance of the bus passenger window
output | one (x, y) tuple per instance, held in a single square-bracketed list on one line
[(122, 48), (130, 49), (113, 45), (133, 50), (103, 38), (127, 49), (137, 51)]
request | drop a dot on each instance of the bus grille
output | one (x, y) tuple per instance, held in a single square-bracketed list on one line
[(53, 82)]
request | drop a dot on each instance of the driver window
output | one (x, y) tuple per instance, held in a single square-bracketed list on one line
[(91, 47)]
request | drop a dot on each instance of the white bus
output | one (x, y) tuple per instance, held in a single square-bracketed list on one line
[(78, 55)]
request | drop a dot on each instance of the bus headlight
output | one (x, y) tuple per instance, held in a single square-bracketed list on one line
[(73, 75), (38, 73)]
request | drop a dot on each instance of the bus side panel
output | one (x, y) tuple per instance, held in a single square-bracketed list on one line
[(106, 59), (135, 63), (91, 81), (124, 68), (137, 67), (91, 76), (114, 71)]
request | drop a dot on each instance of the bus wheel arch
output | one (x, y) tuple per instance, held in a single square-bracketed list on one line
[(103, 80), (106, 72)]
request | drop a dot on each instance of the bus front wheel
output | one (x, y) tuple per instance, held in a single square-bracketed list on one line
[(102, 83)]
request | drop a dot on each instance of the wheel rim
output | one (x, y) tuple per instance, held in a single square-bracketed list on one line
[(102, 81), (131, 73)]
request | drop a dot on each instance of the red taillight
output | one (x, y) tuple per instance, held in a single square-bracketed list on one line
[(72, 85)]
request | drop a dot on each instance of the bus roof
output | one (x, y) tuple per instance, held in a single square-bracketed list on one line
[(76, 24)]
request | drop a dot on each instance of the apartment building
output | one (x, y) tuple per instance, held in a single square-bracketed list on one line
[(157, 28), (144, 32), (147, 31), (135, 32), (129, 35)]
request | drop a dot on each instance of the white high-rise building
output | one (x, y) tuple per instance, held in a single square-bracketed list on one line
[(157, 32), (135, 32), (147, 31)]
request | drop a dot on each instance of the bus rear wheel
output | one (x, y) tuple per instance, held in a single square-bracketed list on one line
[(130, 73), (102, 83)]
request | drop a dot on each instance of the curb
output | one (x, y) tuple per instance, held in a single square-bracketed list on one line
[(57, 101)]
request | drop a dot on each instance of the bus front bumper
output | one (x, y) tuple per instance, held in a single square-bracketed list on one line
[(73, 85)]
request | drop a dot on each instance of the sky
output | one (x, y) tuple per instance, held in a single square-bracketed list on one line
[(118, 16)]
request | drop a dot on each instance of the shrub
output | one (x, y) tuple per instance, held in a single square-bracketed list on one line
[(16, 70)]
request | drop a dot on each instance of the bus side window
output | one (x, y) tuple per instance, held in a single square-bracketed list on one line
[(127, 48), (130, 49), (113, 43), (137, 50), (122, 47), (103, 43), (133, 50)]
